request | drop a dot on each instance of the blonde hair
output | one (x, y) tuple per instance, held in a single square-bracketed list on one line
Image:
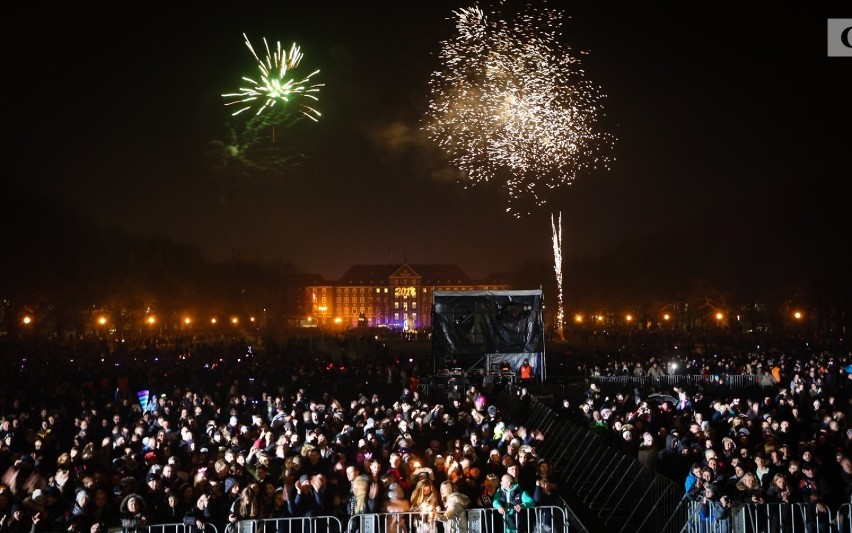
[(417, 496), (360, 488)]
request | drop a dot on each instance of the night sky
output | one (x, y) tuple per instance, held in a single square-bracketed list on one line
[(733, 135)]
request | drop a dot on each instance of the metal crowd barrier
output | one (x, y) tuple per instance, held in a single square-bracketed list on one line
[(732, 381), (769, 517), (306, 524), (544, 519), (168, 528), (623, 494)]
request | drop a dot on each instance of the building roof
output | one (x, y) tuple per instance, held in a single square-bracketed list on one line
[(429, 274)]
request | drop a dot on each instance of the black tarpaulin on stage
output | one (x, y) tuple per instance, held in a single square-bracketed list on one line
[(467, 326)]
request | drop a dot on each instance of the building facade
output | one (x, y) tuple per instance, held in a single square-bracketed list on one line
[(393, 296)]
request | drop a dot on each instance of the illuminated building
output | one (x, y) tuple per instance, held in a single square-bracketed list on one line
[(393, 296)]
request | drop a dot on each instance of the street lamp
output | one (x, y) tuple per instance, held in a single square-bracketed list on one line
[(102, 322)]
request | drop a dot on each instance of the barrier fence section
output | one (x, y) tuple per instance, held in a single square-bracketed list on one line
[(623, 494), (732, 381), (305, 524), (768, 517), (545, 519), (173, 528), (574, 388)]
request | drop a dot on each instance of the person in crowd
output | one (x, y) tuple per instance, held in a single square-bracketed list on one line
[(525, 372), (451, 513), (197, 518), (545, 495), (490, 486), (510, 503), (80, 517), (104, 510), (248, 505), (424, 500), (15, 520), (394, 506), (714, 511), (134, 515)]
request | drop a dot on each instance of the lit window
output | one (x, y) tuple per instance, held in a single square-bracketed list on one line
[(414, 305)]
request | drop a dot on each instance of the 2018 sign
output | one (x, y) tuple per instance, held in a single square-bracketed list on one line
[(402, 292)]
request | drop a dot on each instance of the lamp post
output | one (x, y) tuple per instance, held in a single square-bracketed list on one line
[(101, 326)]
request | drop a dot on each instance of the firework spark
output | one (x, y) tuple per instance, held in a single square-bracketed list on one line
[(511, 103), (276, 84)]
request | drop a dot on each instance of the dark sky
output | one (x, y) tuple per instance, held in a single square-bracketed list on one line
[(733, 129)]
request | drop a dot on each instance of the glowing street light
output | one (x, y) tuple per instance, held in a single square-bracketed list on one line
[(102, 320), (629, 318), (27, 320), (667, 317), (151, 320), (719, 316), (187, 321), (578, 318), (234, 320), (213, 321), (798, 315)]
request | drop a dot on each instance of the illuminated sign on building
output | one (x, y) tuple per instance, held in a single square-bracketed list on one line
[(402, 292)]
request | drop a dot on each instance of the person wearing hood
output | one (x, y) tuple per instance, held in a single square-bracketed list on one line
[(510, 500), (134, 515), (17, 521), (453, 513), (674, 461)]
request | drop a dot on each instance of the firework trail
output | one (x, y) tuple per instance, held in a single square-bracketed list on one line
[(557, 268), (512, 104), (276, 84)]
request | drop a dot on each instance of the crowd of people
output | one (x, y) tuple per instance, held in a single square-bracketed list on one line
[(224, 434), (220, 440), (785, 438)]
